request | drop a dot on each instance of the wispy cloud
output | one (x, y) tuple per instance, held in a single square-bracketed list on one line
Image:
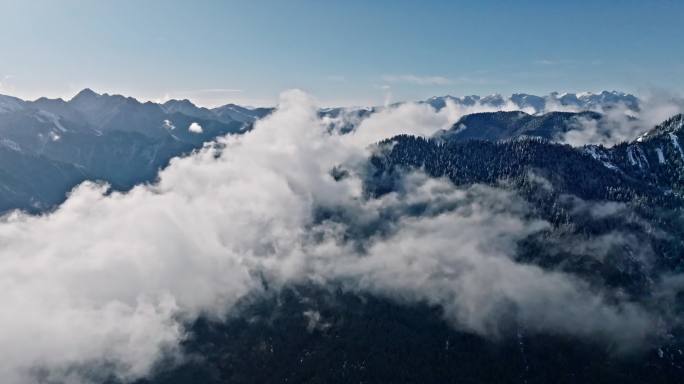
[(556, 62), (336, 78), (4, 82), (202, 92), (546, 62), (438, 80), (216, 90), (417, 80)]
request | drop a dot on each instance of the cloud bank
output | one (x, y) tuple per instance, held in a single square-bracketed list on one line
[(621, 124), (105, 283)]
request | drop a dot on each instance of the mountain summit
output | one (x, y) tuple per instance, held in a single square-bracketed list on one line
[(569, 102)]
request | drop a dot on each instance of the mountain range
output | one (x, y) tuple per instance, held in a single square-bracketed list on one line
[(495, 126), (624, 202), (50, 145), (585, 101)]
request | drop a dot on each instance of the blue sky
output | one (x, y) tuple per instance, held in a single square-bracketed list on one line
[(343, 52)]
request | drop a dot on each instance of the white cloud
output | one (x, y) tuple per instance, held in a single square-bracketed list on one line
[(195, 128), (168, 124), (109, 279), (419, 119), (619, 123), (5, 83)]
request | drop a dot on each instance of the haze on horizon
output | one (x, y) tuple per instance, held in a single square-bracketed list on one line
[(351, 53)]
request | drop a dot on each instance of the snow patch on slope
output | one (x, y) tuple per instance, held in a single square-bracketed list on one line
[(675, 142), (10, 144), (601, 156), (631, 157), (10, 104), (50, 117)]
